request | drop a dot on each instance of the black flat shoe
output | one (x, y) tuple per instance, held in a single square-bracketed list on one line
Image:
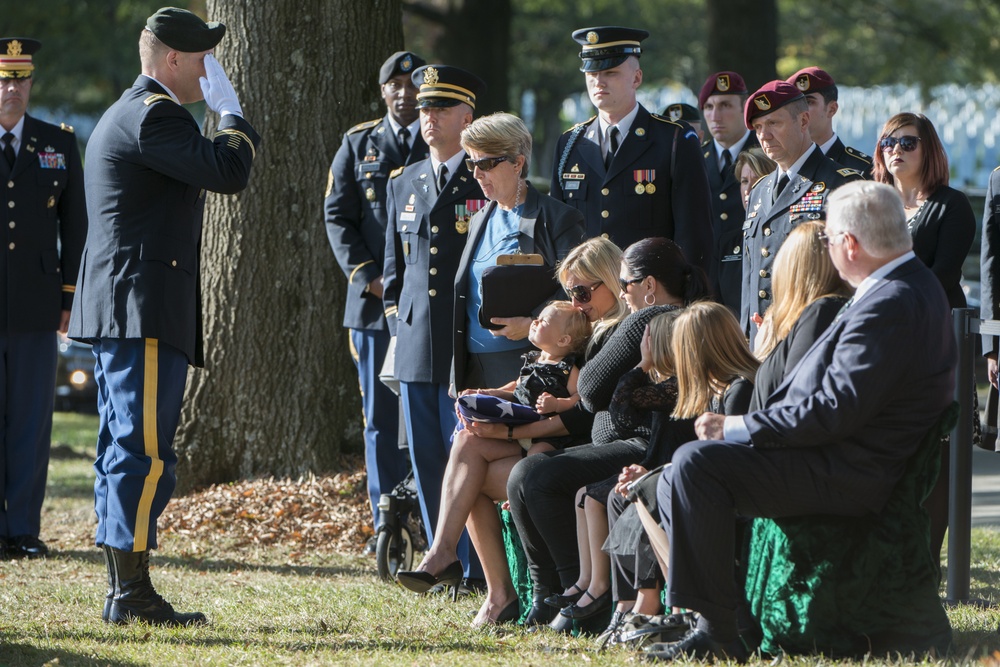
[(597, 605), (698, 645), (563, 601), (26, 546), (419, 581)]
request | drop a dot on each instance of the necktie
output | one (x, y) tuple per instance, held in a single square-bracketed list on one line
[(442, 177), (404, 142), (782, 182), (727, 162), (8, 148), (612, 147), (840, 313)]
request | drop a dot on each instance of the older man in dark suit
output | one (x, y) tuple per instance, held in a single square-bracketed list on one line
[(148, 167), (834, 437)]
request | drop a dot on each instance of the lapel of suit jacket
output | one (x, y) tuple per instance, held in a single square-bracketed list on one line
[(589, 146), (459, 186), (634, 144), (526, 223), (715, 178), (29, 150), (383, 139), (799, 185), (422, 184)]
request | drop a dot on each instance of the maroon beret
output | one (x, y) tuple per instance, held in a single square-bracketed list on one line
[(811, 80), (771, 97), (721, 83)]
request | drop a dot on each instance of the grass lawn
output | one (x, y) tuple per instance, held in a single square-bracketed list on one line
[(270, 605)]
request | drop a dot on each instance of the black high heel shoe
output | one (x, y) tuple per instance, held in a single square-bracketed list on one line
[(562, 601), (419, 581), (508, 614)]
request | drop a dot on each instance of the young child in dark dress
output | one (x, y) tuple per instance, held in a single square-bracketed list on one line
[(547, 381)]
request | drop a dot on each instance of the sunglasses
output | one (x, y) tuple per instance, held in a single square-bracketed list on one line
[(907, 143), (485, 163), (582, 293), (625, 283)]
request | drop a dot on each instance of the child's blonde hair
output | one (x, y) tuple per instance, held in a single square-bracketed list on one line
[(710, 351), (660, 332), (574, 324)]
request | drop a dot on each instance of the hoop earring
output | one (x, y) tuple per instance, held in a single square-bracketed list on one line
[(649, 299)]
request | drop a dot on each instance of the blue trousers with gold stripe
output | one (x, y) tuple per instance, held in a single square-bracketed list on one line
[(140, 385)]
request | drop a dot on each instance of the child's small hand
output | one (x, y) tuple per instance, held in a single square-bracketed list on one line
[(546, 403)]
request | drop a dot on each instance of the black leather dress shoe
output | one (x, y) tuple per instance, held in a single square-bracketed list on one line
[(595, 606), (698, 645), (561, 601), (26, 546)]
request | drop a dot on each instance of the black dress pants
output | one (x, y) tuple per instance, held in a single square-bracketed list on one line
[(542, 494), (634, 571)]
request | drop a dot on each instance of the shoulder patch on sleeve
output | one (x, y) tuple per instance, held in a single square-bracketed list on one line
[(157, 97), (849, 172), (586, 122), (364, 126), (396, 172), (66, 128), (858, 154)]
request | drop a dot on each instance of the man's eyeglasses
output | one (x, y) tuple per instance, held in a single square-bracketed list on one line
[(827, 239), (907, 143), (582, 293), (624, 284), (485, 163)]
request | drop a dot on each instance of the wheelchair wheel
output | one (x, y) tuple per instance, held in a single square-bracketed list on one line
[(393, 552)]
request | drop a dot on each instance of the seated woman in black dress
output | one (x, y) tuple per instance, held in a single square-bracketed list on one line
[(655, 278)]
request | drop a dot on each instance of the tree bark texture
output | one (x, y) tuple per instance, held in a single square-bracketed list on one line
[(743, 37), (279, 393)]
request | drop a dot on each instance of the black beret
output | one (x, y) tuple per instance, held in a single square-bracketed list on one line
[(184, 31), (680, 111), (401, 62)]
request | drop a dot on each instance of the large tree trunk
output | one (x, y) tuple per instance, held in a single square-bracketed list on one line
[(743, 37), (279, 394)]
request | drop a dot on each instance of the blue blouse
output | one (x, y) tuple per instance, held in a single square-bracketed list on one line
[(499, 238)]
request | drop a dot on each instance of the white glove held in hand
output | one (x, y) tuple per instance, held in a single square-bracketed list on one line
[(220, 96)]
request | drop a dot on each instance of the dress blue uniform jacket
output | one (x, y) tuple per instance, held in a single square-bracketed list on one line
[(355, 212), (768, 224), (148, 168), (547, 227), (426, 238), (45, 226), (727, 225), (850, 157), (662, 156)]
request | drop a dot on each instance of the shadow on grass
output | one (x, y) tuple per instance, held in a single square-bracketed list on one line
[(23, 654), (228, 565)]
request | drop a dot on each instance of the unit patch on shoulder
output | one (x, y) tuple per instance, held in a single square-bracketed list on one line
[(858, 154)]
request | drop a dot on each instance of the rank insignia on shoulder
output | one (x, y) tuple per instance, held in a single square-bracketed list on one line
[(66, 128), (329, 183), (849, 172), (364, 126), (396, 172), (157, 97), (589, 120), (858, 154), (818, 187)]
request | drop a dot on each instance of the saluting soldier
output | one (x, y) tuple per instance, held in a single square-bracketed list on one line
[(821, 93), (148, 167), (430, 205), (631, 173), (795, 192), (45, 223), (721, 100), (355, 214)]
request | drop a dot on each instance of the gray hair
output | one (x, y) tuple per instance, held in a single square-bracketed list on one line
[(499, 134), (873, 214)]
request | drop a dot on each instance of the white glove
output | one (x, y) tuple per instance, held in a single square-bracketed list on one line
[(220, 96)]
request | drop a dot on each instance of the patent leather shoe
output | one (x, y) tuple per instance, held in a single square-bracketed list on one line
[(540, 613), (564, 600), (27, 546), (597, 605), (698, 645), (420, 581)]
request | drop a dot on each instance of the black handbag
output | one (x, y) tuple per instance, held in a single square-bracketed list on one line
[(515, 287)]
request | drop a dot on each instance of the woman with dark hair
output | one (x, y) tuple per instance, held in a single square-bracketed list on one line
[(655, 278), (910, 157)]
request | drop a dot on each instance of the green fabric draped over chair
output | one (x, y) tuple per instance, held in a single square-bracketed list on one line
[(848, 586)]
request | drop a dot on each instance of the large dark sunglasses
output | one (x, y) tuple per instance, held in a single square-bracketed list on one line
[(907, 143), (582, 293), (624, 284), (485, 163)]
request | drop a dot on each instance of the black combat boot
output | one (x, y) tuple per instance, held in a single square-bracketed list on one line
[(135, 599)]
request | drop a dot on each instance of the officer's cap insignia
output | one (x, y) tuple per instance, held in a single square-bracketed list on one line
[(13, 48), (818, 187), (396, 172), (722, 83), (762, 102), (802, 83), (675, 112), (406, 65), (430, 76), (849, 172), (640, 131), (592, 37)]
